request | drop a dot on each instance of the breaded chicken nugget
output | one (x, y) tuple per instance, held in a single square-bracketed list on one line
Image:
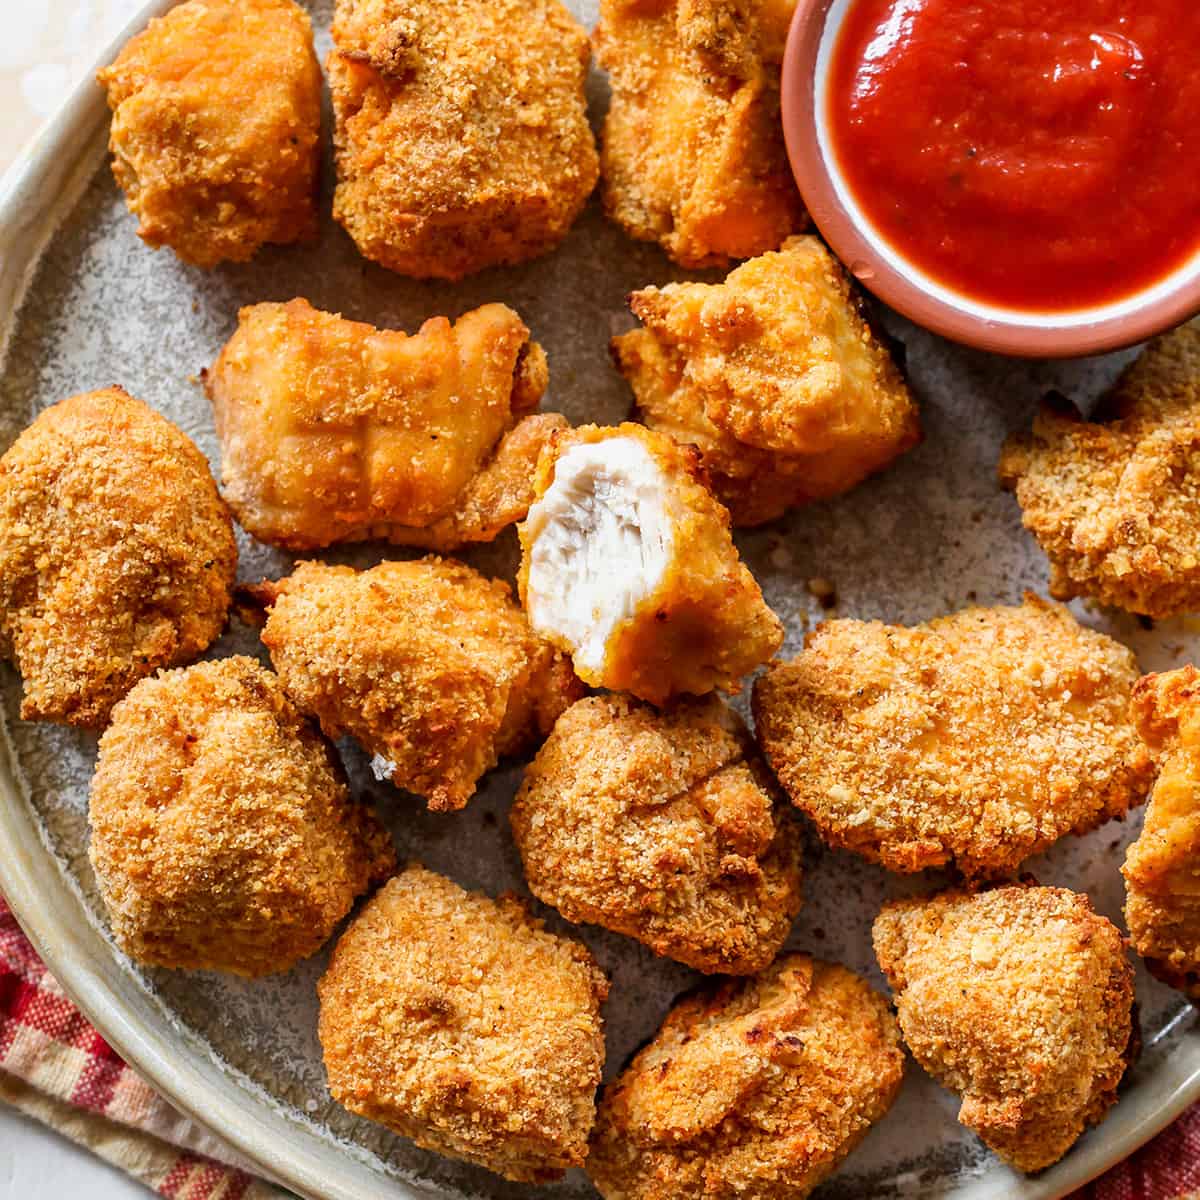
[(1019, 1000), (116, 554), (459, 1022), (1115, 502), (692, 155), (462, 136), (663, 826), (775, 377), (333, 430), (429, 665), (223, 834), (1162, 868), (629, 566), (754, 1088), (216, 128), (979, 738)]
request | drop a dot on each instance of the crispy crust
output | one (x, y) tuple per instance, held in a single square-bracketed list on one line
[(1018, 999), (664, 827), (754, 1089), (217, 127), (774, 375), (462, 136), (427, 663), (223, 834), (457, 1021), (979, 738), (117, 556), (1115, 503)]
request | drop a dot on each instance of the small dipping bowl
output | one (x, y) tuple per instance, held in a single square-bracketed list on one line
[(885, 271)]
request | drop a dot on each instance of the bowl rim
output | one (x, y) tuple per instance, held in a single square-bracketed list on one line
[(1176, 302)]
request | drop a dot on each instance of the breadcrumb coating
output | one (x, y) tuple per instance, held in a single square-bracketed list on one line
[(458, 1021), (662, 826), (977, 739), (462, 136), (333, 430), (428, 664), (1162, 868), (692, 155), (1115, 502), (774, 375), (216, 131), (223, 834), (117, 556), (753, 1089), (628, 565), (1018, 999)]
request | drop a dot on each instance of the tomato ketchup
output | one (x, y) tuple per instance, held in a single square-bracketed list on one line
[(1039, 155)]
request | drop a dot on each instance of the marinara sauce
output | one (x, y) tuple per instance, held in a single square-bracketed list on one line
[(1041, 155)]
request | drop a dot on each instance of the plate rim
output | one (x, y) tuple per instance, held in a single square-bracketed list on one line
[(61, 161)]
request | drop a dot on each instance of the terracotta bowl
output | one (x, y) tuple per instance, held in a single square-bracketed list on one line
[(884, 271)]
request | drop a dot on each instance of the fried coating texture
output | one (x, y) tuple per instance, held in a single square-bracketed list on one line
[(1162, 868), (462, 137), (1018, 999), (692, 155), (977, 739), (333, 430), (458, 1021), (1115, 502), (429, 665), (216, 130), (117, 556), (223, 834), (664, 827), (776, 378), (629, 566), (753, 1089)]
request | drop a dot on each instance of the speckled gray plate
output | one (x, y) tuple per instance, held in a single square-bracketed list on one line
[(930, 535)]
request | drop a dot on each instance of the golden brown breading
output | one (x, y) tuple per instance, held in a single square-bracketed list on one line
[(462, 136), (979, 738), (457, 1021), (774, 375), (223, 833), (1115, 502), (333, 430), (1162, 868), (116, 554), (629, 566), (216, 128), (755, 1089), (665, 827), (692, 155), (429, 665), (1019, 1000)]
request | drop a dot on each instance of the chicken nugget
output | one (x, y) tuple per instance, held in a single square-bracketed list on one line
[(977, 739), (692, 155), (458, 1021), (1018, 999), (216, 128), (429, 665), (333, 430), (223, 834), (117, 556), (1162, 868), (754, 1088), (664, 827), (1115, 503), (774, 375), (629, 566), (462, 136)]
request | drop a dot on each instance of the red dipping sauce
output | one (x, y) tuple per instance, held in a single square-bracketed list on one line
[(1039, 155)]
